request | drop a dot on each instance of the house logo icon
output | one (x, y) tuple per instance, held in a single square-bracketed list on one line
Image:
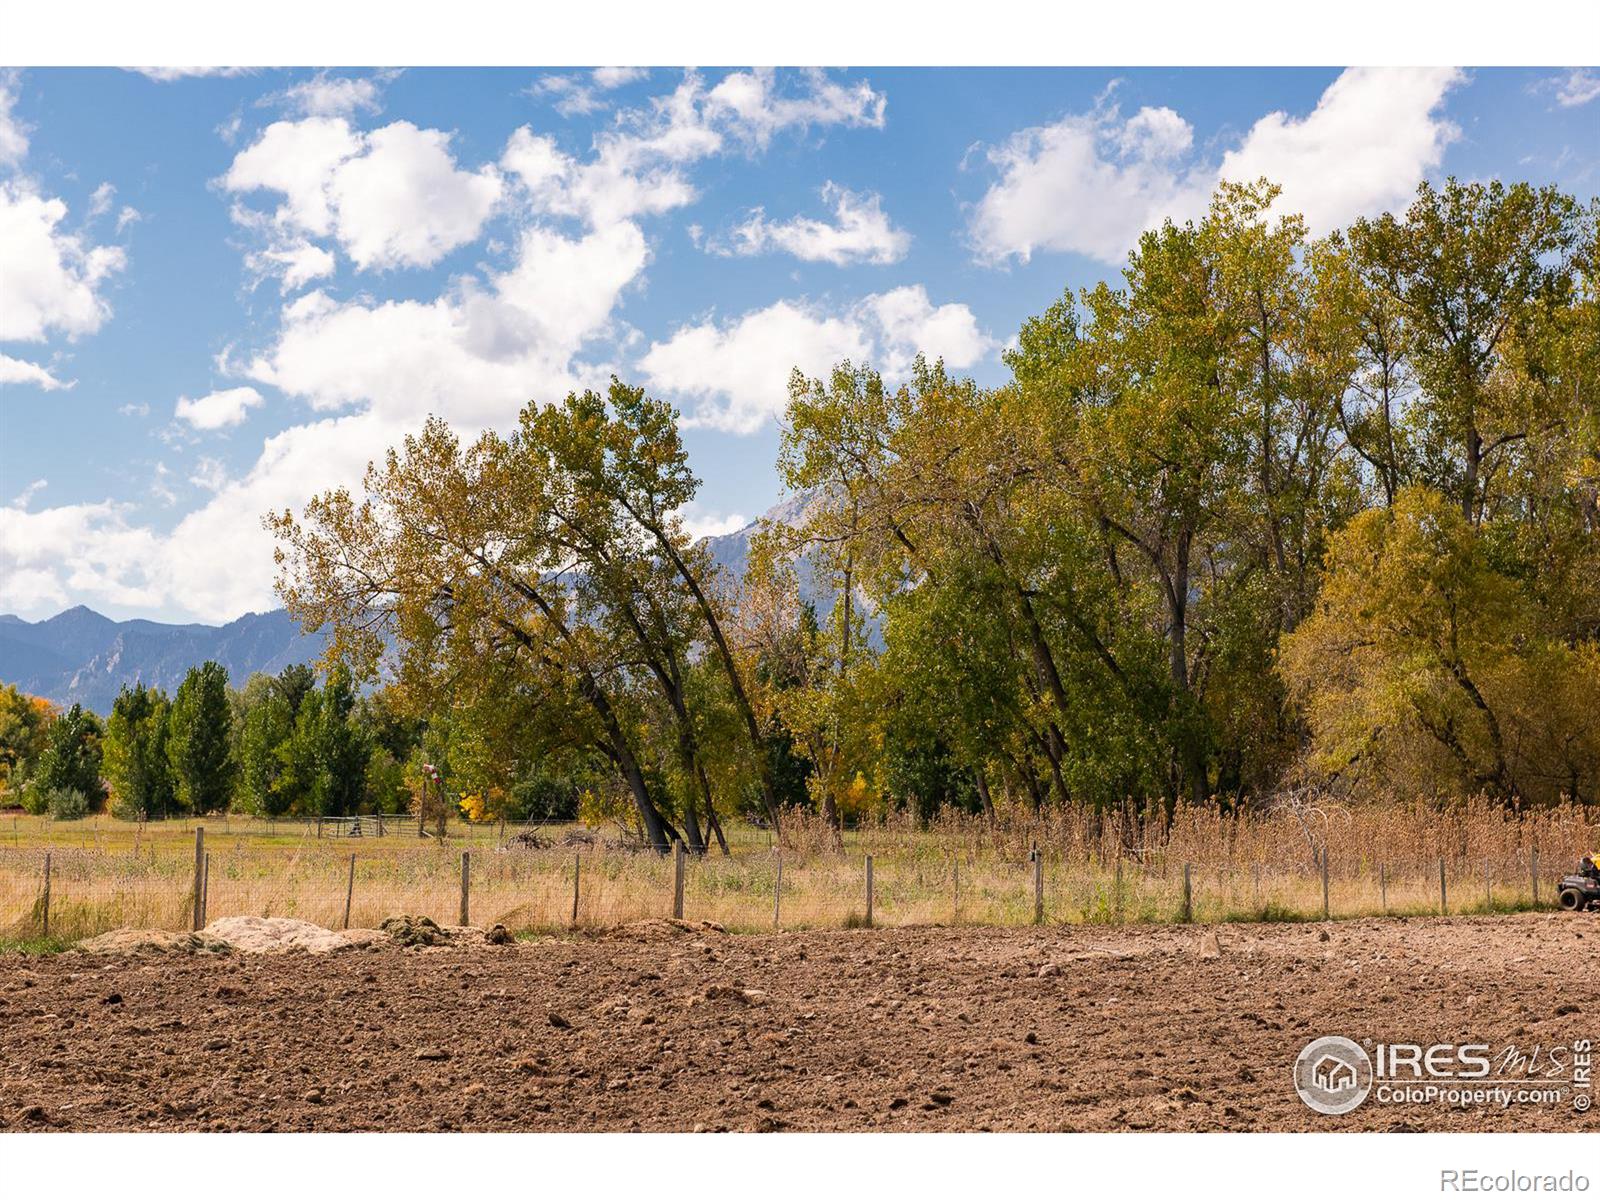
[(1333, 1075)]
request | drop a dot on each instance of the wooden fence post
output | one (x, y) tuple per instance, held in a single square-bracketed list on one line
[(349, 891), (1038, 888), (1533, 867), (1444, 906), (1324, 857), (677, 880), (197, 908), (777, 893), (577, 868), (1383, 887), (46, 914), (466, 876), (869, 891), (1188, 893)]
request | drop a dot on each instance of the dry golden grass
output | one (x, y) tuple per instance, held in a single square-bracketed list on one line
[(1262, 865)]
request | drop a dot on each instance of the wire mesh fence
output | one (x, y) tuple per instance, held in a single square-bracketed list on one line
[(75, 890)]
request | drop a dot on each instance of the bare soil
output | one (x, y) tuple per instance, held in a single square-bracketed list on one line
[(663, 1026)]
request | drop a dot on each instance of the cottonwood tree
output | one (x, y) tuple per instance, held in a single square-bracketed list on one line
[(455, 552), (1472, 270)]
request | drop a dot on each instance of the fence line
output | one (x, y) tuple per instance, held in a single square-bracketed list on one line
[(72, 893)]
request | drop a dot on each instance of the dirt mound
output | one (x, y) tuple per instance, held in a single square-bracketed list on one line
[(414, 931), (280, 935), (155, 941)]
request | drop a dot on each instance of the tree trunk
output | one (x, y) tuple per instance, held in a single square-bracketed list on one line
[(982, 781), (725, 655), (1469, 487)]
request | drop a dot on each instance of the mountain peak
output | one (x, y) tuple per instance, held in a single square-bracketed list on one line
[(79, 656)]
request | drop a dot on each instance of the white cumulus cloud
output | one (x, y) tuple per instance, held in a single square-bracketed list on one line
[(737, 372), (77, 552), (391, 198), (325, 95), (296, 264), (756, 105), (860, 232), (1091, 183), (578, 95), (16, 370), (218, 410), (51, 279), (13, 134), (639, 165)]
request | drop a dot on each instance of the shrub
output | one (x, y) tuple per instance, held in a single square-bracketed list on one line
[(66, 804), (34, 799)]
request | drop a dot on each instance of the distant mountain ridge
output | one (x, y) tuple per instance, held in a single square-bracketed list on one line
[(81, 657)]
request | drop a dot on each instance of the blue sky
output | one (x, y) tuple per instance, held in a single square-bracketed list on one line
[(221, 292)]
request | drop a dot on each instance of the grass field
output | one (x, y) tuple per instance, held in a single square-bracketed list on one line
[(107, 874)]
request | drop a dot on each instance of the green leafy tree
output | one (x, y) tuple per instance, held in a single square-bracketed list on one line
[(265, 729), (70, 761), (1426, 661), (23, 722), (1472, 271), (136, 762), (327, 753), (199, 739)]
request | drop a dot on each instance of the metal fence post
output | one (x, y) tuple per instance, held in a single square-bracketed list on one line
[(1533, 866), (869, 891), (1383, 887), (1188, 893), (1444, 906), (349, 891), (205, 891), (466, 876)]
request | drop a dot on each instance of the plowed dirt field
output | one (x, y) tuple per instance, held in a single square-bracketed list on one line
[(661, 1026)]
